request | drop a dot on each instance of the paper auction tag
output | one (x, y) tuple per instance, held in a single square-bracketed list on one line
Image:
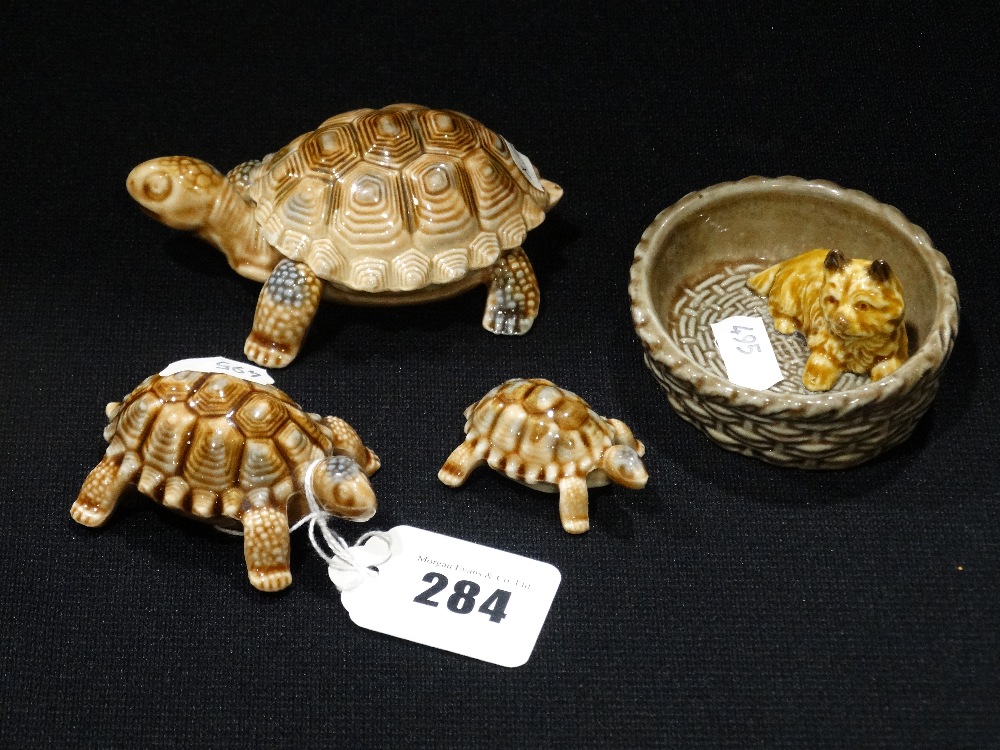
[(450, 594), (240, 370), (746, 352), (523, 163)]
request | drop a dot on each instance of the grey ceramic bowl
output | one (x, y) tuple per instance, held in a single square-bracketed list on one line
[(690, 270)]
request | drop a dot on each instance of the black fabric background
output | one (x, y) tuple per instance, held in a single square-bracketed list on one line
[(729, 604)]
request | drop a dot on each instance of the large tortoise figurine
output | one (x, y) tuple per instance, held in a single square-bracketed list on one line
[(233, 453), (548, 438), (389, 206)]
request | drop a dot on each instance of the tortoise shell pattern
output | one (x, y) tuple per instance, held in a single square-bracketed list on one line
[(393, 199), (208, 441), (535, 432)]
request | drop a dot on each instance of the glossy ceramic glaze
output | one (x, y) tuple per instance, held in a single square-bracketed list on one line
[(691, 269), (233, 453), (548, 438), (390, 206), (851, 312)]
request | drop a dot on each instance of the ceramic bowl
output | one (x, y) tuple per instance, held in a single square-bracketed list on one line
[(690, 270)]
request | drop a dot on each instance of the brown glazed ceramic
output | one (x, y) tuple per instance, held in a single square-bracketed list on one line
[(548, 438), (390, 206), (850, 310), (691, 269), (234, 453)]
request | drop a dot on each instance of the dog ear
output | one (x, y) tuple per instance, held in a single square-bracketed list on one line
[(879, 270), (835, 261)]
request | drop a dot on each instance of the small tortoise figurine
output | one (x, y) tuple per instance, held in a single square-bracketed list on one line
[(380, 207), (231, 452), (547, 438)]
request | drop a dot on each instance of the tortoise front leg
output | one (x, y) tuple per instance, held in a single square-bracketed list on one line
[(102, 488), (347, 442), (574, 504), (266, 546), (285, 309), (512, 302)]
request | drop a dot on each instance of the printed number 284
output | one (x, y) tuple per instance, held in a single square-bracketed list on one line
[(463, 598)]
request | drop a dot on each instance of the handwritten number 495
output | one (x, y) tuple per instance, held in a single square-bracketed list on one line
[(463, 599), (748, 339)]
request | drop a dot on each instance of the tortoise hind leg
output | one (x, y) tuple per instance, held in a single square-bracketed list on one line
[(102, 488), (285, 309), (460, 463), (512, 302), (574, 505), (266, 546)]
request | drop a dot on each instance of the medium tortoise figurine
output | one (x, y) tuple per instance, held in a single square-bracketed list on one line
[(547, 438), (233, 453), (380, 207)]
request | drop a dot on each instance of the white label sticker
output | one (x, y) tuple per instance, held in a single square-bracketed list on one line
[(746, 351), (450, 594), (523, 163), (220, 364)]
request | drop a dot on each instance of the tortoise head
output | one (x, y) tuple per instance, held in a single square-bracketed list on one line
[(178, 191), (342, 489), (622, 462)]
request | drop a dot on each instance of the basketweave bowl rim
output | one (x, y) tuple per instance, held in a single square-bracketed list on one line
[(672, 362)]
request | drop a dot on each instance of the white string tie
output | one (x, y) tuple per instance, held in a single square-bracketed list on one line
[(338, 554)]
